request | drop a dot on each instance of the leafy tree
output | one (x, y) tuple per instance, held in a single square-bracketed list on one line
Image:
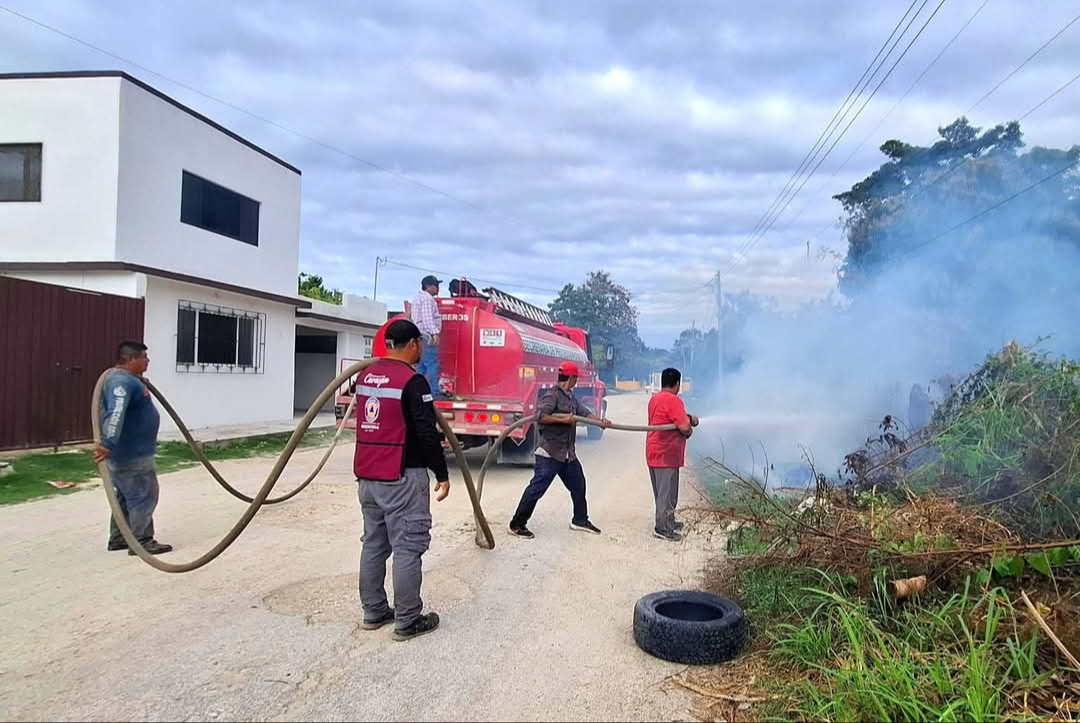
[(603, 308), (921, 191), (311, 286)]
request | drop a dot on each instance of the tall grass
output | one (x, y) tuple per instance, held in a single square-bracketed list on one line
[(955, 659)]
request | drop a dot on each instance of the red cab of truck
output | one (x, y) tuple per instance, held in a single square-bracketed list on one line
[(498, 355)]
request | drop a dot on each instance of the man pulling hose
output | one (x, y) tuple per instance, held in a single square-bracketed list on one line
[(397, 442)]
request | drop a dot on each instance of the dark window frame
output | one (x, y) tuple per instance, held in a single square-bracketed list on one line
[(217, 209), (190, 358), (32, 162)]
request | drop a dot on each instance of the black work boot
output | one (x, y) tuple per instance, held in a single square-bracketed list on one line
[(423, 625)]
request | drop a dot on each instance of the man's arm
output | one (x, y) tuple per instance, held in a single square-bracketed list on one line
[(683, 421), (116, 397), (584, 411), (421, 414), (426, 314)]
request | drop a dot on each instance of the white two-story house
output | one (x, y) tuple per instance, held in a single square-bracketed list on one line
[(109, 186)]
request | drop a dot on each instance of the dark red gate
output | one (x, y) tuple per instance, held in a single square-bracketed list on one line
[(54, 341)]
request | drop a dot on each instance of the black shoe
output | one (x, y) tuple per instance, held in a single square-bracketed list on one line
[(424, 625), (680, 526), (585, 526), (521, 531), (154, 548), (117, 548), (384, 619), (669, 536)]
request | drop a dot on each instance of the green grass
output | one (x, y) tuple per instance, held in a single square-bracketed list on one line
[(34, 471), (952, 658)]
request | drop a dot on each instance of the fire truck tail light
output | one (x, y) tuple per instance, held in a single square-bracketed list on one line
[(482, 417), (496, 418), (469, 416)]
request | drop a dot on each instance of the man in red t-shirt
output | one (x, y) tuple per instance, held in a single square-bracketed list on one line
[(665, 452)]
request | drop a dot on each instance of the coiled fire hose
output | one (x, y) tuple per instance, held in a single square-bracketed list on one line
[(484, 536)]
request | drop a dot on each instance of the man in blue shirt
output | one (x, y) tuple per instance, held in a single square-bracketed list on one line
[(129, 429)]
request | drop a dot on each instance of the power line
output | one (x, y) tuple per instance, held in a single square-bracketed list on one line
[(997, 205), (895, 105), (828, 127), (1017, 69), (967, 159), (806, 180), (299, 134), (993, 90)]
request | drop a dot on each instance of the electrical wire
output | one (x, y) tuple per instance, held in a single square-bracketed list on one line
[(280, 126), (862, 108)]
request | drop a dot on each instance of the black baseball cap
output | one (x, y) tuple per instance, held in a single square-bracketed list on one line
[(401, 332), (429, 281)]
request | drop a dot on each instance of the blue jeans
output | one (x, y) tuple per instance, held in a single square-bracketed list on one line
[(136, 487), (572, 476), (429, 366)]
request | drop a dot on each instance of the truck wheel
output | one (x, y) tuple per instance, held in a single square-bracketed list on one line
[(689, 627)]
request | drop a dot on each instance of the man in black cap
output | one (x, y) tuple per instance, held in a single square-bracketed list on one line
[(425, 314), (397, 443)]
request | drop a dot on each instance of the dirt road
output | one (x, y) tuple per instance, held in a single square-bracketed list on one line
[(535, 630)]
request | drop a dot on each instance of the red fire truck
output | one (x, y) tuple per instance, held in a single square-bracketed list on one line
[(498, 355)]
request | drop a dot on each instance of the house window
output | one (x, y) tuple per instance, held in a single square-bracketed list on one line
[(215, 208), (369, 343), (212, 338), (20, 172)]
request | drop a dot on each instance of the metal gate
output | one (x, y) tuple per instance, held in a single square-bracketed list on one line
[(54, 341)]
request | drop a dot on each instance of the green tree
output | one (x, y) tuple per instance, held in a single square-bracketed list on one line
[(923, 190), (604, 309), (311, 286)]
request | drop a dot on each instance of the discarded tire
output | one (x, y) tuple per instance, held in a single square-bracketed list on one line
[(694, 628)]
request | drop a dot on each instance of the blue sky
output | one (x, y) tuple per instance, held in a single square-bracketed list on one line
[(641, 137)]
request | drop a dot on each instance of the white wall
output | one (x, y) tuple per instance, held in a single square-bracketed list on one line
[(76, 121), (209, 399), (157, 143), (121, 283)]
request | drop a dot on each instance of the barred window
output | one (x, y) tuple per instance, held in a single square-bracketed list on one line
[(211, 338)]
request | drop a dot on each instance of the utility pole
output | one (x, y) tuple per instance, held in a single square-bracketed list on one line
[(718, 289), (379, 261)]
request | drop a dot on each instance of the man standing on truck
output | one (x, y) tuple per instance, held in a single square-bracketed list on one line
[(665, 452), (425, 314), (129, 429), (396, 444), (557, 455)]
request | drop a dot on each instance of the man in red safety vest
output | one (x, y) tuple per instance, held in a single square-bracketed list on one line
[(397, 442)]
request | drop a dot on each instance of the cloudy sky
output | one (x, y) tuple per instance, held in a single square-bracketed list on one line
[(642, 137)]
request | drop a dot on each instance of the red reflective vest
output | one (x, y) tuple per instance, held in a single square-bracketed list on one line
[(380, 421)]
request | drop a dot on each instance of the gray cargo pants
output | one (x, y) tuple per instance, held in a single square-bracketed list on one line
[(665, 488), (397, 519)]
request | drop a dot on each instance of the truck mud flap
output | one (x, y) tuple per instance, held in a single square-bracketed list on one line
[(512, 452)]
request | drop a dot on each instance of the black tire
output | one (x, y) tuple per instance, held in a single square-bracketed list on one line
[(689, 627)]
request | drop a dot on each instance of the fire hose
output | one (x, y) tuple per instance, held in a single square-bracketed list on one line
[(484, 536)]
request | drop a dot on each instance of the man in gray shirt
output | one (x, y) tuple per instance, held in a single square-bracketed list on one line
[(557, 454)]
